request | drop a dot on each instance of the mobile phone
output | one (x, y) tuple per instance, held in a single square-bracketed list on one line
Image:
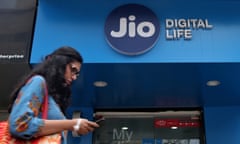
[(99, 120)]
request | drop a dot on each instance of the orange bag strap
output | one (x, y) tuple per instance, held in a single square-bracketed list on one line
[(45, 103)]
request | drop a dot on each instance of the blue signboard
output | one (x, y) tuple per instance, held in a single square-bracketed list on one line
[(143, 31)]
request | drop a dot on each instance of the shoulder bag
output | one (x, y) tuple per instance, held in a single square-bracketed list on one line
[(6, 138)]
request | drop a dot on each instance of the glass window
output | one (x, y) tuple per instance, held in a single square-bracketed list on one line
[(172, 127), (16, 29)]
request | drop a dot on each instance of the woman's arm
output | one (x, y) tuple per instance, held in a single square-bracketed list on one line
[(55, 126), (24, 119)]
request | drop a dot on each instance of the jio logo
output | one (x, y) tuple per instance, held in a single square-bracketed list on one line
[(132, 29)]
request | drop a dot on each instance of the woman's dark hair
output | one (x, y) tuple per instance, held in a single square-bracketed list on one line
[(53, 68)]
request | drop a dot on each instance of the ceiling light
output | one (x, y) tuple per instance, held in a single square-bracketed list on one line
[(174, 127), (124, 128), (213, 83), (100, 84)]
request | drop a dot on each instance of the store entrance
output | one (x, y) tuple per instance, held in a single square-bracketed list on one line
[(170, 127)]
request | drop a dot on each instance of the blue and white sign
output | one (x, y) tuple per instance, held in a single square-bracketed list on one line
[(132, 29)]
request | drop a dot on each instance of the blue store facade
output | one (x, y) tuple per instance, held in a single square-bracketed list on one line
[(152, 54)]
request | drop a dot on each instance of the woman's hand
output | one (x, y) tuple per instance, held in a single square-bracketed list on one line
[(86, 126)]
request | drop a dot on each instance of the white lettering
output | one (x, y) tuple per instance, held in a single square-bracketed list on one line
[(176, 34), (129, 135), (169, 23), (131, 27), (122, 29), (122, 136), (208, 25), (150, 26), (116, 136), (182, 23), (187, 34), (13, 56), (187, 23), (182, 28), (201, 24), (193, 22)]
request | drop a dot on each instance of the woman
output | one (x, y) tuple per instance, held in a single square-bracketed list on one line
[(57, 71)]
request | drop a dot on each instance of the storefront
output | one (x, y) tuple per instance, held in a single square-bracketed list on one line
[(169, 127), (151, 55)]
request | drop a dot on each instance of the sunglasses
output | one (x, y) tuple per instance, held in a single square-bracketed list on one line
[(74, 71)]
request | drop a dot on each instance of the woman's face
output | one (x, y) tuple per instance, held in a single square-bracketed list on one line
[(72, 72)]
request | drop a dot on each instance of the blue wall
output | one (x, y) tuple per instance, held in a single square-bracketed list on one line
[(222, 125), (81, 24)]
